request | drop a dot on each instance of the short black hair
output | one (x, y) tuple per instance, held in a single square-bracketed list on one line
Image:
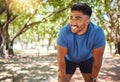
[(83, 7)]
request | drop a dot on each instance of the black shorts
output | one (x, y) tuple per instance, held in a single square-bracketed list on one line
[(85, 67)]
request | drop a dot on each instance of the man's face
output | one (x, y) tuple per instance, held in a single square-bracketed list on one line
[(78, 22)]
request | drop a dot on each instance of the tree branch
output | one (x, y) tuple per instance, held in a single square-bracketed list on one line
[(29, 25), (8, 21)]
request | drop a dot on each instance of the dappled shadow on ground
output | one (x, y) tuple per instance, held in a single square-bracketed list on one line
[(43, 68), (28, 69), (110, 71)]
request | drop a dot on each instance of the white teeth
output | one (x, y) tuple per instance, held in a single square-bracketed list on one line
[(73, 27)]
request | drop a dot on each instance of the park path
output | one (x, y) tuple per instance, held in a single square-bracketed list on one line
[(110, 71), (43, 68)]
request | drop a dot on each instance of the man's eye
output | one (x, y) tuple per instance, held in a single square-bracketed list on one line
[(78, 17)]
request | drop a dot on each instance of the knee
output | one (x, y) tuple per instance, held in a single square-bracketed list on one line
[(67, 79), (63, 79)]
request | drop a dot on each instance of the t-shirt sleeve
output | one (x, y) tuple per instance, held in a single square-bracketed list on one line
[(99, 38), (61, 39)]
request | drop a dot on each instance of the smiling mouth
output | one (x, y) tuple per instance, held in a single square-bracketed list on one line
[(74, 27)]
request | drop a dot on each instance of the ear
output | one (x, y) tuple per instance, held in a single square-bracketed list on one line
[(88, 21)]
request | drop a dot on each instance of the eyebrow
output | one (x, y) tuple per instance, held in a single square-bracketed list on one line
[(78, 17)]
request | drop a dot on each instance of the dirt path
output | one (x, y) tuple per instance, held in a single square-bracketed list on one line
[(110, 71), (43, 68), (28, 69)]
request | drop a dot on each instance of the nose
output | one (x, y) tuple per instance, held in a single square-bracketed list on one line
[(73, 22)]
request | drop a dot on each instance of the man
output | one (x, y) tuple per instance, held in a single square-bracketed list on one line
[(80, 44)]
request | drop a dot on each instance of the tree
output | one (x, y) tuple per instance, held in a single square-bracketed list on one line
[(5, 42), (17, 17), (106, 13), (9, 15)]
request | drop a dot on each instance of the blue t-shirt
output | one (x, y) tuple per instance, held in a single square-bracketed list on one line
[(80, 46)]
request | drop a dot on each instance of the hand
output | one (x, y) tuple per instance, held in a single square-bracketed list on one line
[(63, 79), (92, 80), (61, 76)]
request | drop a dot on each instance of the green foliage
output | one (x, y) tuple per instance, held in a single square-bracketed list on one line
[(3, 17), (58, 3), (51, 15), (24, 6), (1, 5)]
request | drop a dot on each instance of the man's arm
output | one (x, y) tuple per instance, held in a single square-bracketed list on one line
[(61, 61), (98, 55)]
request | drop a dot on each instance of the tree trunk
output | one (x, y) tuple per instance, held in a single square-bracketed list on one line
[(6, 43), (117, 48), (10, 49), (6, 49)]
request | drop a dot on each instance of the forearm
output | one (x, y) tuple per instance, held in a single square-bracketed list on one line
[(61, 63), (96, 68), (61, 72), (61, 66), (98, 56)]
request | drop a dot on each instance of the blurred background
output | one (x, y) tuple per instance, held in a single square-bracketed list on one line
[(28, 32)]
